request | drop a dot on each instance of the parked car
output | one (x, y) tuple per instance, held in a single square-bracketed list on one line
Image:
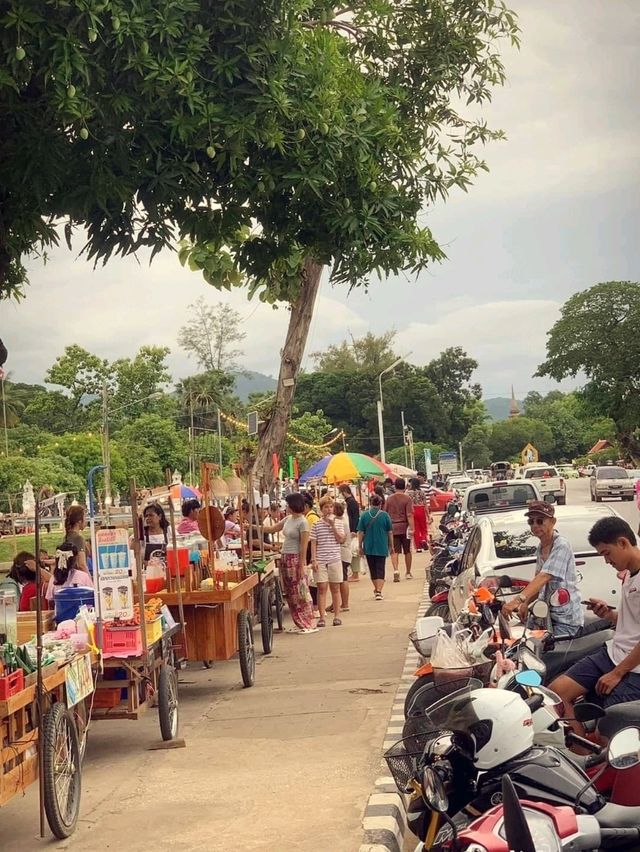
[(440, 499), (548, 481), (503, 544), (461, 483), (476, 474), (611, 481), (499, 496)]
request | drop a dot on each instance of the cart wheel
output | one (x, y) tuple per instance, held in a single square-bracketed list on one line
[(168, 702), (279, 604), (61, 770), (266, 621), (246, 649)]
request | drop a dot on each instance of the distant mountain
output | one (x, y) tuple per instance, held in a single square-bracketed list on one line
[(250, 382), (498, 407)]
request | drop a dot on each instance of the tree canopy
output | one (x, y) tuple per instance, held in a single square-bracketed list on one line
[(595, 336)]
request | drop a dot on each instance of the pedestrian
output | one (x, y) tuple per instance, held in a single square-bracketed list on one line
[(555, 572), (189, 523), (382, 494), (156, 528), (326, 539), (425, 485), (293, 565), (67, 572), (312, 518), (231, 526), (389, 486), (400, 509), (614, 670), (375, 539), (74, 523), (420, 515), (353, 512), (346, 553)]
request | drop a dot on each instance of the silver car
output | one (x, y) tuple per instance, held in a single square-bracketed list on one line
[(611, 481), (503, 544)]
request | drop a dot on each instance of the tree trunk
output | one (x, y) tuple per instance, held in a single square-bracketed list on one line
[(273, 437), (631, 446)]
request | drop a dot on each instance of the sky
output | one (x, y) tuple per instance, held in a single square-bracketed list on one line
[(557, 213)]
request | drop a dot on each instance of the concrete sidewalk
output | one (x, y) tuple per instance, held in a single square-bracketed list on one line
[(286, 765)]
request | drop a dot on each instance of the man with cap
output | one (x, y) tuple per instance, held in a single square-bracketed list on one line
[(555, 579)]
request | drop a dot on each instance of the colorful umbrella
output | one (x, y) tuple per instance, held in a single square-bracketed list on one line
[(343, 467), (179, 492)]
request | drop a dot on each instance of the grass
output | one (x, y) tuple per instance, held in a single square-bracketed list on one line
[(48, 541)]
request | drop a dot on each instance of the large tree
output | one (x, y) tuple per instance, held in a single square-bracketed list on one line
[(595, 336), (211, 335), (345, 128)]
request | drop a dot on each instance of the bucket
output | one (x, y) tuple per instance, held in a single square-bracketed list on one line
[(183, 560), (69, 600)]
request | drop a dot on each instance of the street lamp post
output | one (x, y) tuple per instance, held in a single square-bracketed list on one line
[(106, 451), (381, 405)]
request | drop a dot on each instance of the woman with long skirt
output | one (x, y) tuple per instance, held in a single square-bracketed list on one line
[(293, 564)]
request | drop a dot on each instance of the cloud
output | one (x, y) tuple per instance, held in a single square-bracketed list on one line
[(507, 338)]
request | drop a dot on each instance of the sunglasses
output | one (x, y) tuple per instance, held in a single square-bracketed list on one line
[(532, 521)]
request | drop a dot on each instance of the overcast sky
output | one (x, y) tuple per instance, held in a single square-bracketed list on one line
[(557, 213)]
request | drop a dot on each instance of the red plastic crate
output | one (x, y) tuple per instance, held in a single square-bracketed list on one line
[(11, 684), (122, 641)]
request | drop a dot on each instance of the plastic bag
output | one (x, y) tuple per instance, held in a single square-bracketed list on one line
[(448, 651)]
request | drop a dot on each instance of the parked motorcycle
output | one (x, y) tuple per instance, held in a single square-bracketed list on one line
[(475, 736)]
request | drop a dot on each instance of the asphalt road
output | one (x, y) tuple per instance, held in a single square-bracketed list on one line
[(578, 494)]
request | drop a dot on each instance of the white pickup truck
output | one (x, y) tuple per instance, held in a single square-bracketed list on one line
[(548, 481)]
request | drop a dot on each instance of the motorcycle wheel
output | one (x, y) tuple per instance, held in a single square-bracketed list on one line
[(419, 682), (441, 609), (437, 586)]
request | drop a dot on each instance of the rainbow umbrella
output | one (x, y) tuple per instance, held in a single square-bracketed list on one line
[(179, 492), (343, 467)]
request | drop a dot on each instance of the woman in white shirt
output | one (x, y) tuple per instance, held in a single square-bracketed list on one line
[(67, 573)]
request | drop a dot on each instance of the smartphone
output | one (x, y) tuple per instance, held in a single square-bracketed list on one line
[(590, 605)]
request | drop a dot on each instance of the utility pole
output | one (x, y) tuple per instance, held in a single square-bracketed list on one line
[(219, 440), (404, 439), (192, 444)]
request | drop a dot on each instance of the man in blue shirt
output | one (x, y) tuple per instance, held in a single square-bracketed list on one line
[(555, 579)]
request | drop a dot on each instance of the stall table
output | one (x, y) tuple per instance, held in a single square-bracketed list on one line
[(218, 623)]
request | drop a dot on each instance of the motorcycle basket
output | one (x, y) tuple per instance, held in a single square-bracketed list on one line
[(481, 671), (402, 759), (422, 646)]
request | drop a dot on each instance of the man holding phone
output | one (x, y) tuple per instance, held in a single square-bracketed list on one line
[(555, 580), (614, 670)]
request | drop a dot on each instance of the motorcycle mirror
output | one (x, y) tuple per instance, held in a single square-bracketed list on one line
[(624, 749), (487, 615), (491, 583), (433, 791), (516, 828), (539, 609), (584, 711), (528, 678), (560, 597)]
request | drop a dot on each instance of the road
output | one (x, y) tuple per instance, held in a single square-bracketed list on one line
[(578, 493), (287, 765)]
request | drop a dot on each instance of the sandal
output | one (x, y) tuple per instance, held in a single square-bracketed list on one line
[(321, 623), (336, 622), (345, 609), (329, 608)]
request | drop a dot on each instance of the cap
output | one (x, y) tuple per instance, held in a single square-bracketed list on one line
[(539, 507)]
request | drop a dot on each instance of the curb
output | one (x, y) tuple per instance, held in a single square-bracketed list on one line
[(385, 815)]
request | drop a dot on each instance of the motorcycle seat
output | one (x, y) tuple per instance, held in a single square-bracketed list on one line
[(618, 816), (619, 716), (566, 652)]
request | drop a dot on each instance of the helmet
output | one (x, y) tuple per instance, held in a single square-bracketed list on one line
[(490, 726)]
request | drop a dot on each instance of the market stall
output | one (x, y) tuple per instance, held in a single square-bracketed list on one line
[(141, 642), (46, 688)]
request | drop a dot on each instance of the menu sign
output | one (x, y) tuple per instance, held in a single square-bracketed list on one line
[(114, 574)]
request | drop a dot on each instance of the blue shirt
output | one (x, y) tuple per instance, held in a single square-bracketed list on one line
[(566, 618)]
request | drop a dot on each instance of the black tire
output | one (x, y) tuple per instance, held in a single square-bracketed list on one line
[(61, 770), (598, 499), (279, 604), (592, 497), (562, 501), (168, 702), (266, 620), (441, 609), (437, 586), (419, 682), (246, 649)]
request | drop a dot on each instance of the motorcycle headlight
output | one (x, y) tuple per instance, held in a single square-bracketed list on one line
[(543, 831)]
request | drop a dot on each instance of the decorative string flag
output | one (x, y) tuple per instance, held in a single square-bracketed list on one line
[(276, 465), (291, 467)]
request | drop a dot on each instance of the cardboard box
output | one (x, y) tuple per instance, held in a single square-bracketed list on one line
[(27, 624)]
